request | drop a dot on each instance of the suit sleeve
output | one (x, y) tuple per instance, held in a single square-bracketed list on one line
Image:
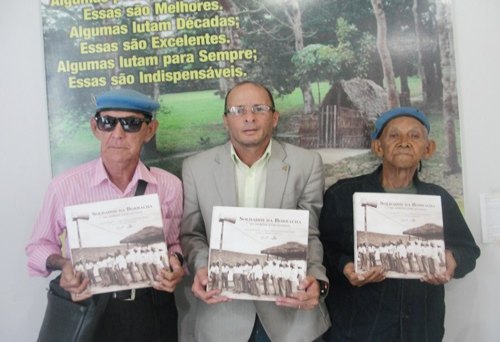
[(312, 200), (193, 234)]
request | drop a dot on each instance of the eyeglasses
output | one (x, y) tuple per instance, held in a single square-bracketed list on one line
[(256, 109), (129, 124)]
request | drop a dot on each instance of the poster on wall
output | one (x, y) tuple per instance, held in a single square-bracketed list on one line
[(333, 67)]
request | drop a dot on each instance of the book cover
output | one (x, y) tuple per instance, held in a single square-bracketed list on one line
[(402, 233), (257, 253), (118, 244)]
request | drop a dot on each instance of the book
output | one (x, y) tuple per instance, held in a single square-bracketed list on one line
[(117, 244), (257, 253), (402, 233)]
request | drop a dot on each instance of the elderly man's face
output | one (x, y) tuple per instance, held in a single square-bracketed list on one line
[(118, 146), (250, 129), (403, 143)]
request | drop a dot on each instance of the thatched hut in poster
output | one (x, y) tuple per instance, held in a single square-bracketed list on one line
[(346, 116)]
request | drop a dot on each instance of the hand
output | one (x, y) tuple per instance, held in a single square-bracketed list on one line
[(446, 276), (374, 275), (167, 279), (199, 288), (74, 282), (307, 299)]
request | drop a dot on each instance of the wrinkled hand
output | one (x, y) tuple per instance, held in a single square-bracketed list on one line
[(74, 282), (374, 275), (446, 276), (199, 288), (307, 300), (167, 279)]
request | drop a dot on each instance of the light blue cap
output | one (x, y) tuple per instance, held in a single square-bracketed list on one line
[(385, 117), (127, 100)]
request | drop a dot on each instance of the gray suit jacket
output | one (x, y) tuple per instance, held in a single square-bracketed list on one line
[(294, 181)]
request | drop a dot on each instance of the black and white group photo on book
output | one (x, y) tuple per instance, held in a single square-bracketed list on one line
[(118, 244), (257, 253), (402, 233)]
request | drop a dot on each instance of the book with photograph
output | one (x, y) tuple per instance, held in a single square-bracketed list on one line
[(117, 244), (402, 233), (257, 253)]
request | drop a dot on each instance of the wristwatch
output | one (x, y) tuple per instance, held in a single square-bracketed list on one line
[(323, 288)]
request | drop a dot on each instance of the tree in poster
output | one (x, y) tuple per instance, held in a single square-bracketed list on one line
[(294, 15), (428, 51), (281, 25), (317, 62), (385, 55), (450, 102)]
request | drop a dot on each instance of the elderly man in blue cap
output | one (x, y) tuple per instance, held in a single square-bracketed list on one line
[(123, 123), (367, 306)]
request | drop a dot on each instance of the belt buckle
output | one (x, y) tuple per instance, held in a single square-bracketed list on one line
[(132, 296), (129, 299)]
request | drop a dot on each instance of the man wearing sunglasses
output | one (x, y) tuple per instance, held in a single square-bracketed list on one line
[(252, 170), (123, 123)]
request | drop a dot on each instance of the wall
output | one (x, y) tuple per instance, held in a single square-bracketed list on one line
[(471, 302), (25, 160)]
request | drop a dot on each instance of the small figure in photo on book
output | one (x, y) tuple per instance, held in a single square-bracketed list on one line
[(391, 241)]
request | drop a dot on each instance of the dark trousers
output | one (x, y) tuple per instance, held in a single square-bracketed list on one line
[(258, 332), (151, 317)]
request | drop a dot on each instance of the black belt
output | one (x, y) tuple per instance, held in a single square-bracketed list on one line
[(134, 294)]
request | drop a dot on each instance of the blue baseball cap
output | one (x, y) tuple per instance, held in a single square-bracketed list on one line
[(127, 100), (385, 117)]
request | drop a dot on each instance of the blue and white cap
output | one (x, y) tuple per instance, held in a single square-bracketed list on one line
[(127, 100)]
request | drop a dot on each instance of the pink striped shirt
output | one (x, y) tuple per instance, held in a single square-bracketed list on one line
[(90, 183)]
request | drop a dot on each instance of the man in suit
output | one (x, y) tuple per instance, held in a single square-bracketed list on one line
[(253, 170)]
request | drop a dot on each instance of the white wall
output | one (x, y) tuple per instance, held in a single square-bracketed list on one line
[(472, 302), (25, 164)]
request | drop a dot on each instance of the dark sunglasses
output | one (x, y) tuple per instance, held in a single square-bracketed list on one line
[(129, 124)]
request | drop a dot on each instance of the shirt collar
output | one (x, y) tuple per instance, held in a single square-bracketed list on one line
[(141, 172), (267, 154), (100, 174)]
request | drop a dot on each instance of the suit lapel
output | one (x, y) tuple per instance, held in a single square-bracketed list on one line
[(225, 179), (277, 176)]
